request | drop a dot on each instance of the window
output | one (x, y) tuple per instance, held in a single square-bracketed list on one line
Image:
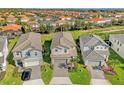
[(28, 53), (120, 44), (35, 53), (56, 50), (117, 49), (65, 50), (19, 63), (17, 53)]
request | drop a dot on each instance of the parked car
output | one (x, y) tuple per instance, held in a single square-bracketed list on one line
[(26, 74)]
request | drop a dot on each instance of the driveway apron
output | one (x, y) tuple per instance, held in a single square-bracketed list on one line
[(35, 77)]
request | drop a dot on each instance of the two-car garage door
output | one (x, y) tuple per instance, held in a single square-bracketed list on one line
[(31, 63)]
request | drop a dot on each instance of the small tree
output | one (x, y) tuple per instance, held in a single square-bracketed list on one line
[(113, 63)]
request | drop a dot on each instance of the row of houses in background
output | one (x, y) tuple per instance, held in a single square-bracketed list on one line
[(27, 52)]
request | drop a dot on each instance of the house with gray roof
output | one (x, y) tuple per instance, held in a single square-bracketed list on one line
[(63, 47), (94, 50), (117, 43), (28, 50), (3, 53)]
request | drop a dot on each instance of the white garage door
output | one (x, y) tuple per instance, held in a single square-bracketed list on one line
[(33, 63)]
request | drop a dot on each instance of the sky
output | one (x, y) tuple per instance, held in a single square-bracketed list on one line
[(61, 3)]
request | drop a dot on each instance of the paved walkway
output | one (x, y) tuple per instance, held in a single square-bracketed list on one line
[(98, 77), (60, 81), (35, 77)]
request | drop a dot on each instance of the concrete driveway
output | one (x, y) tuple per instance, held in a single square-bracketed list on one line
[(35, 77), (60, 73), (60, 69), (99, 82), (98, 77), (60, 81), (34, 82)]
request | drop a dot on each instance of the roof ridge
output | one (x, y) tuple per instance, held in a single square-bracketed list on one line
[(88, 40)]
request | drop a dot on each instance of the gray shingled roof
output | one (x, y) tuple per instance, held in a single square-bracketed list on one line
[(119, 37), (30, 39), (63, 39), (93, 55), (92, 40)]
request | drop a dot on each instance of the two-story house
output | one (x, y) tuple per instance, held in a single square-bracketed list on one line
[(3, 53), (11, 30), (63, 47), (28, 50), (94, 50), (117, 43)]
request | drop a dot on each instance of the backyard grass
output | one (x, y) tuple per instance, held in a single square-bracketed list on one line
[(9, 79), (117, 79), (46, 73), (80, 76), (46, 37), (11, 43)]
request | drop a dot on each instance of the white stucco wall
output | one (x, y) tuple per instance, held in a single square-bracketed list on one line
[(5, 53), (115, 46)]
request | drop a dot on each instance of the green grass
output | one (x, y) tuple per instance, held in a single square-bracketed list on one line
[(117, 79), (9, 79), (11, 43), (80, 76), (46, 73), (46, 37), (46, 53)]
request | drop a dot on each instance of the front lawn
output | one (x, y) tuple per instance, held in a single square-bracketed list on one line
[(10, 78), (46, 73), (117, 79), (80, 76)]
